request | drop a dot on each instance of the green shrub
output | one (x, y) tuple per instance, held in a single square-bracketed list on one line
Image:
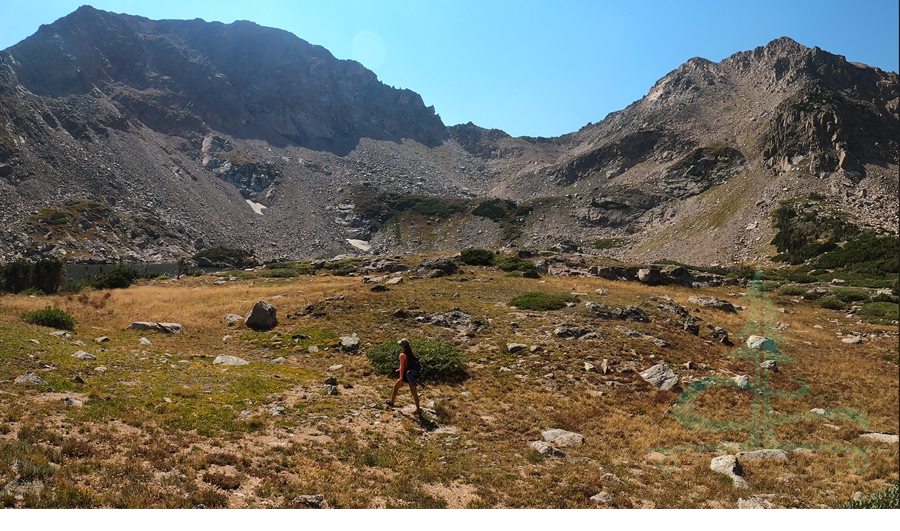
[(886, 297), (118, 278), (477, 257), (47, 276), (51, 317), (851, 295), (831, 303), (515, 274), (885, 499), (878, 312), (439, 360), (792, 291), (542, 301), (513, 263)]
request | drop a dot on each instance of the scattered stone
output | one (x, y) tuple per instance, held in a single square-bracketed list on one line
[(604, 366), (689, 365), (437, 267), (232, 319), (30, 378), (760, 343), (330, 389), (226, 337), (720, 335), (602, 497), (309, 501), (742, 381), (659, 342), (20, 488), (512, 348), (73, 402), (144, 341), (662, 377), (279, 360), (102, 339), (78, 379), (886, 438), (818, 411), (547, 449), (349, 343), (276, 411), (601, 291), (312, 349), (229, 361), (380, 288), (571, 332), (562, 438), (772, 365), (262, 316), (82, 355), (331, 380), (394, 281), (712, 302), (169, 328), (589, 367), (691, 325), (335, 367), (535, 348), (141, 325), (101, 369), (729, 465), (852, 340), (755, 502)]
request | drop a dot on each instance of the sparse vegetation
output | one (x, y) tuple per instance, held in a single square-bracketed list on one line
[(224, 256), (542, 301), (885, 499), (881, 312)]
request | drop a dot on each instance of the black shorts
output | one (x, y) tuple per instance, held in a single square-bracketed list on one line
[(411, 377)]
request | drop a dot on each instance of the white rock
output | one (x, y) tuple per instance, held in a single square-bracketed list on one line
[(852, 340), (881, 437), (563, 438), (229, 361), (661, 376), (742, 381), (82, 355), (144, 341), (515, 347)]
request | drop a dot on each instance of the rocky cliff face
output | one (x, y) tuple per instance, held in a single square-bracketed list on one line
[(123, 137)]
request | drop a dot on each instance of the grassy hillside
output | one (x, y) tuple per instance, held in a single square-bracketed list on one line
[(162, 426)]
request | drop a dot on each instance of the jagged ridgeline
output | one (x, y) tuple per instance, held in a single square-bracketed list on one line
[(124, 138)]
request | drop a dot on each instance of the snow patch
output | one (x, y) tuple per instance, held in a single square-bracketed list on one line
[(362, 245), (257, 207)]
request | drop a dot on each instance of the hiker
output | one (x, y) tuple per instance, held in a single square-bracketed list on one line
[(409, 374)]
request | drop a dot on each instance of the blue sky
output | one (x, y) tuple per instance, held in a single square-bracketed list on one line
[(536, 68)]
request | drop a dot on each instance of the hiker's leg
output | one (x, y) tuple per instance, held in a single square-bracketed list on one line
[(415, 393), (396, 389)]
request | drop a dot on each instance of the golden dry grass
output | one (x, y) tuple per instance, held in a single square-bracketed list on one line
[(163, 427)]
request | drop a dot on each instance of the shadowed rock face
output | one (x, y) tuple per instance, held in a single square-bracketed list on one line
[(241, 79), (156, 139)]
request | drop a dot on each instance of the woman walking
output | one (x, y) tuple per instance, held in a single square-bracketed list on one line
[(409, 374)]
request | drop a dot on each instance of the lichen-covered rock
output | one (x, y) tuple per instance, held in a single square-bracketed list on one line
[(662, 377)]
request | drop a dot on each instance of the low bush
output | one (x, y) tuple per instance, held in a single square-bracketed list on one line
[(439, 360), (542, 301), (831, 303), (851, 295), (50, 317), (888, 498), (118, 278), (513, 263), (878, 312), (477, 257), (792, 291)]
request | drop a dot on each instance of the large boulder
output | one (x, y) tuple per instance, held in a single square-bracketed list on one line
[(437, 267), (662, 377), (262, 316), (712, 302), (731, 467)]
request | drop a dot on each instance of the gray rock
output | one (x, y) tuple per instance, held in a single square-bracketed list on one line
[(691, 325), (169, 328), (602, 497), (729, 465), (142, 325), (571, 332), (852, 340), (662, 377), (742, 381), (232, 319), (712, 302), (229, 361), (101, 369), (394, 281), (349, 343), (562, 438), (720, 335), (604, 366), (772, 365), (309, 501), (760, 342), (818, 411), (330, 389), (589, 367), (276, 411), (102, 339), (515, 347), (886, 438), (689, 365), (547, 449), (73, 402), (19, 489), (30, 378), (144, 341), (650, 276), (755, 502), (82, 355), (279, 360), (331, 380), (263, 316)]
